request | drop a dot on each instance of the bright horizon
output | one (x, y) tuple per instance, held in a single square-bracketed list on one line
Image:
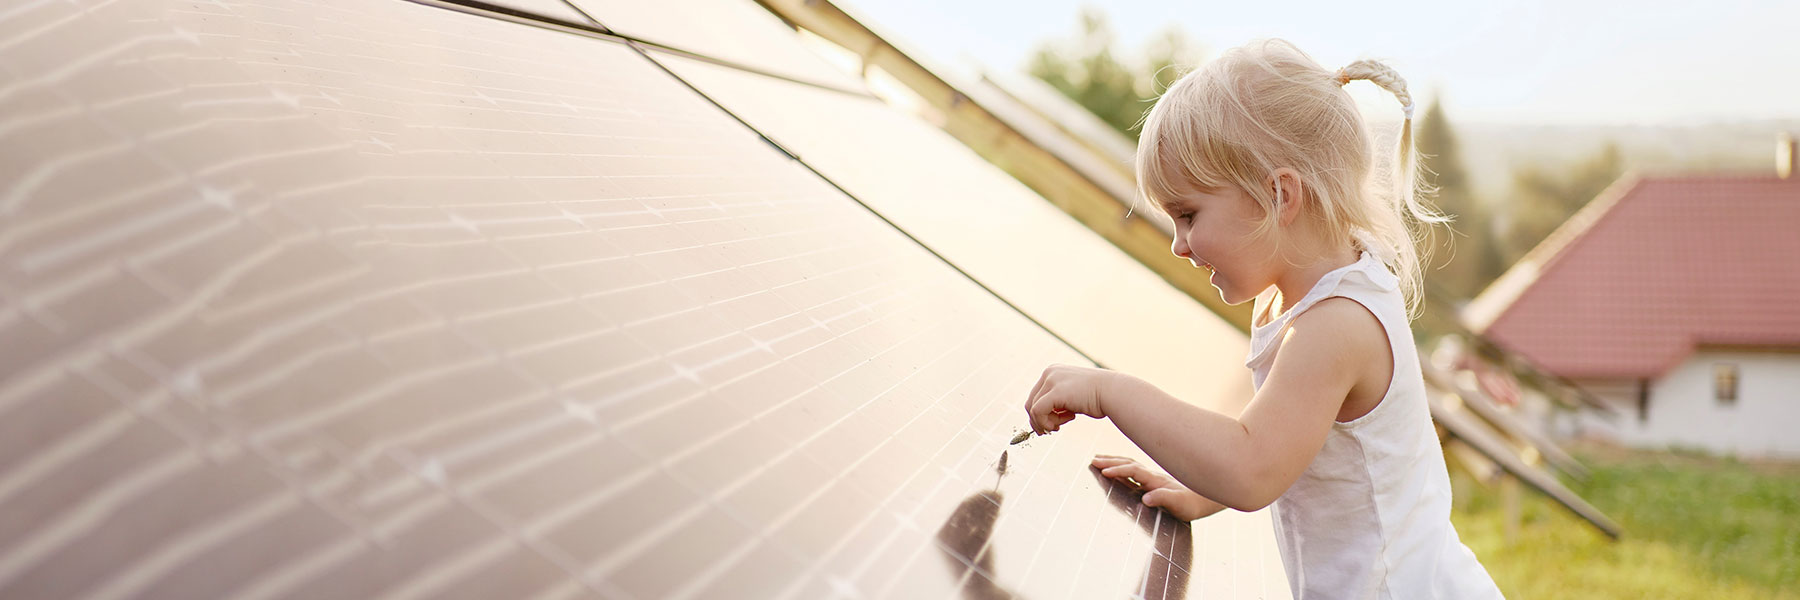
[(1577, 62)]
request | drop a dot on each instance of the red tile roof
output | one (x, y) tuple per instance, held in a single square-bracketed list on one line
[(1652, 268)]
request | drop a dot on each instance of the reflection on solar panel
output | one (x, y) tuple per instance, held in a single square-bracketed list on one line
[(349, 299), (991, 226)]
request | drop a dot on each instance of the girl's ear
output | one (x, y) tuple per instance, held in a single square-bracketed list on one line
[(1285, 183)]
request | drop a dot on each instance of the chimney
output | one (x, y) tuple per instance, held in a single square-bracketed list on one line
[(1784, 155)]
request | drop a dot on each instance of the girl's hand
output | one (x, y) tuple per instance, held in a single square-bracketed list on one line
[(1062, 392), (1160, 490)]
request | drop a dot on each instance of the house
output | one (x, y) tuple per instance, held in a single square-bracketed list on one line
[(1672, 298)]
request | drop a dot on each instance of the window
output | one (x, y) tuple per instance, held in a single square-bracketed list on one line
[(1725, 383)]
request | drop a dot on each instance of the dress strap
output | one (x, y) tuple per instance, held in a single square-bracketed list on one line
[(1368, 275)]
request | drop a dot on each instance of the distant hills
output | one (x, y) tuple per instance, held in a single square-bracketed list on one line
[(1493, 152)]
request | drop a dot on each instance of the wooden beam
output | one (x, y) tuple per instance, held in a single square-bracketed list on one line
[(1465, 426)]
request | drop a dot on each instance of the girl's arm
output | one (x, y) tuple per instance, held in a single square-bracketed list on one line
[(1244, 463)]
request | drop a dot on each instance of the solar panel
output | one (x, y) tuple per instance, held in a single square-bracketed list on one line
[(357, 299), (991, 226)]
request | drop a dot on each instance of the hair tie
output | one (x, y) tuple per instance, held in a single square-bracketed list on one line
[(1381, 75)]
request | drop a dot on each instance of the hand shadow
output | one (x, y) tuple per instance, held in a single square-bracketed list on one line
[(1166, 577), (964, 542), (964, 537)]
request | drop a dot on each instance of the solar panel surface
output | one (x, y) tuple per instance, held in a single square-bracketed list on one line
[(358, 299), (735, 31), (553, 10), (991, 226)]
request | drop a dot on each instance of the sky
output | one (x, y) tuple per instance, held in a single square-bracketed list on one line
[(1527, 62)]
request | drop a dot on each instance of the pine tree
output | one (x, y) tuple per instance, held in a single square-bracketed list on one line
[(1465, 258)]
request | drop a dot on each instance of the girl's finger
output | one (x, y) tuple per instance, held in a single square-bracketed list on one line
[(1036, 388), (1132, 470), (1031, 414), (1041, 408), (1103, 461), (1143, 477)]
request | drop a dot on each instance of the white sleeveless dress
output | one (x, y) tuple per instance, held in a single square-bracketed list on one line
[(1370, 517)]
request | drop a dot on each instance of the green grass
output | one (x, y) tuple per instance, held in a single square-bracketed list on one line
[(1695, 527)]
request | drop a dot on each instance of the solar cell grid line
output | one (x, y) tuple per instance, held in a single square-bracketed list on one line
[(802, 506), (1056, 516), (679, 454), (924, 547), (975, 576), (1035, 562), (807, 586), (1168, 563), (794, 449), (985, 546), (1126, 503), (837, 548), (1098, 527), (629, 421), (1128, 541)]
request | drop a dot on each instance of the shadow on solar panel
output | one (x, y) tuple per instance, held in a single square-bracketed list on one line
[(965, 541)]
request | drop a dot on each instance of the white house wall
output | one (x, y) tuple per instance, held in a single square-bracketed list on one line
[(1683, 411)]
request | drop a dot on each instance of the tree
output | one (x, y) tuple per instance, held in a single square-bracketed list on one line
[(1469, 251), (1086, 70), (1542, 200), (1168, 57)]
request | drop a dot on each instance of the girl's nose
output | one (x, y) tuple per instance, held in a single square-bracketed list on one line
[(1180, 246)]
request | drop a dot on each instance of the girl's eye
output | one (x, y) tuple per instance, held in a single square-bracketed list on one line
[(1185, 216)]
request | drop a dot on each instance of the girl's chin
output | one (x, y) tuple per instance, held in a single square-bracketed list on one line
[(1227, 292), (1231, 300)]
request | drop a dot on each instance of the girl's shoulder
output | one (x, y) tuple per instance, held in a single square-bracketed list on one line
[(1349, 327)]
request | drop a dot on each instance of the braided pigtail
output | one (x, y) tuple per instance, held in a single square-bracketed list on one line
[(1407, 206)]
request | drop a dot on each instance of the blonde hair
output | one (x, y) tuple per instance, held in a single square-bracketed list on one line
[(1267, 105)]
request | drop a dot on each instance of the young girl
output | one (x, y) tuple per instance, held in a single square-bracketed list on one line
[(1264, 164)]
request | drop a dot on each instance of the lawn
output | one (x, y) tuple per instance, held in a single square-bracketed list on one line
[(1695, 527)]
